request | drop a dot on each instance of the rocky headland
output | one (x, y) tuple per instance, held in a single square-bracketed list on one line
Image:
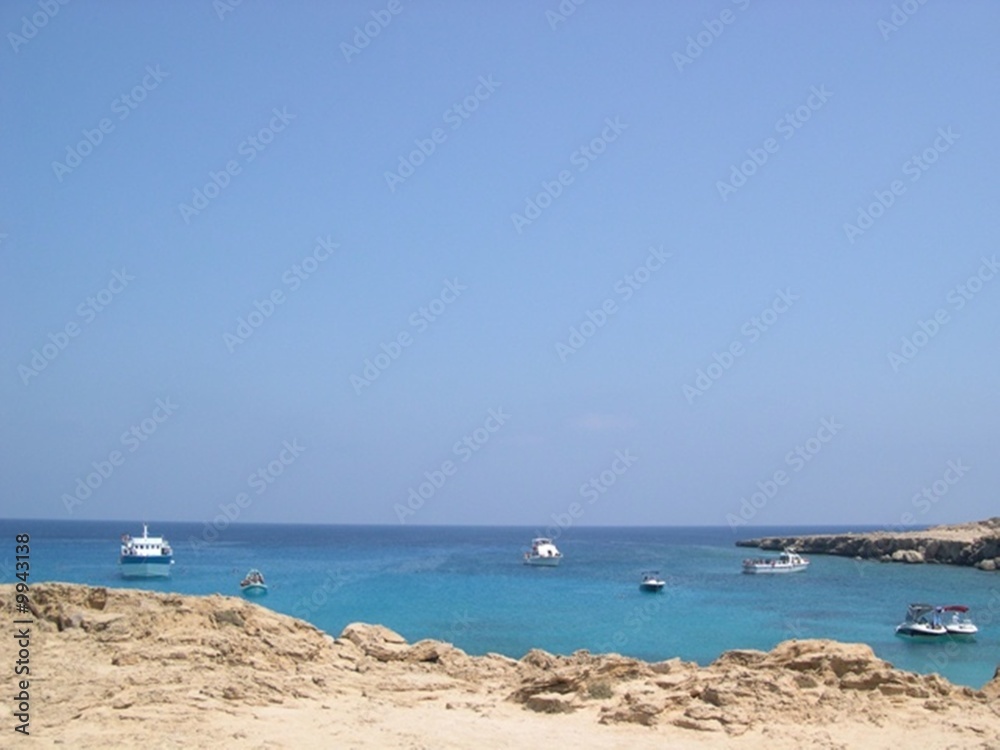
[(976, 543), (126, 668)]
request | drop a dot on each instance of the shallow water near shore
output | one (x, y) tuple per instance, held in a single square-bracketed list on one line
[(467, 585)]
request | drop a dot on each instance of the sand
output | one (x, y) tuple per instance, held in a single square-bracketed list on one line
[(126, 668)]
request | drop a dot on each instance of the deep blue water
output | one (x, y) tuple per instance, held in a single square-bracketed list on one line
[(467, 585)]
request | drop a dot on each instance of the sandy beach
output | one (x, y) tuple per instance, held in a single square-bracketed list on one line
[(119, 667)]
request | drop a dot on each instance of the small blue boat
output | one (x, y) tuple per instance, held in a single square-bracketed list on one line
[(253, 583)]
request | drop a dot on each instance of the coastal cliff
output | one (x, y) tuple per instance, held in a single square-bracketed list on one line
[(122, 668), (976, 543)]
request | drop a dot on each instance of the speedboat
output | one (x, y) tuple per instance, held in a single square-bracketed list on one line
[(543, 552), (922, 621), (959, 625), (788, 561), (145, 556), (253, 583), (927, 621), (651, 581)]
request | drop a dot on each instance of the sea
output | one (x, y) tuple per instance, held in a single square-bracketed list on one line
[(468, 586)]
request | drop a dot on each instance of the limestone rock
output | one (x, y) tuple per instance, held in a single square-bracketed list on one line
[(959, 544), (376, 641), (146, 655), (550, 703), (908, 556)]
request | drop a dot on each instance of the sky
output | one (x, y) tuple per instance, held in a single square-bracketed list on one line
[(541, 263)]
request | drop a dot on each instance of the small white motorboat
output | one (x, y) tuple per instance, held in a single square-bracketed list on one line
[(925, 621), (651, 581), (788, 561), (922, 621), (253, 583), (959, 625), (543, 552)]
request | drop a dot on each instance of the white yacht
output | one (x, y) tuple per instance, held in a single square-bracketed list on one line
[(787, 562), (543, 552), (145, 556)]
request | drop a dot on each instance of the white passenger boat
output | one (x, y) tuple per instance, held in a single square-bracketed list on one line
[(543, 552), (787, 562), (145, 556)]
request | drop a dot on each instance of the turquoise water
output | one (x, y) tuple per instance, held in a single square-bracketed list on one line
[(468, 586)]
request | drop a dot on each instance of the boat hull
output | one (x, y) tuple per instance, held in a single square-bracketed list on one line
[(920, 632), (134, 566), (773, 569), (962, 633), (542, 562), (254, 589), (652, 588)]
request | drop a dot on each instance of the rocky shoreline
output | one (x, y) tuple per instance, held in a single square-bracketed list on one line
[(122, 667), (972, 544)]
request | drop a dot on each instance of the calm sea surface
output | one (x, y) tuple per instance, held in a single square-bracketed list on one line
[(467, 585)]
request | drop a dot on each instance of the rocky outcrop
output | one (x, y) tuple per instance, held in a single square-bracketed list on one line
[(141, 660), (975, 544)]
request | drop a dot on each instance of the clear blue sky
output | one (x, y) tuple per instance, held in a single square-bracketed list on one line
[(667, 122)]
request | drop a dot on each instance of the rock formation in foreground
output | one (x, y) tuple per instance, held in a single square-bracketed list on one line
[(976, 543), (122, 668)]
